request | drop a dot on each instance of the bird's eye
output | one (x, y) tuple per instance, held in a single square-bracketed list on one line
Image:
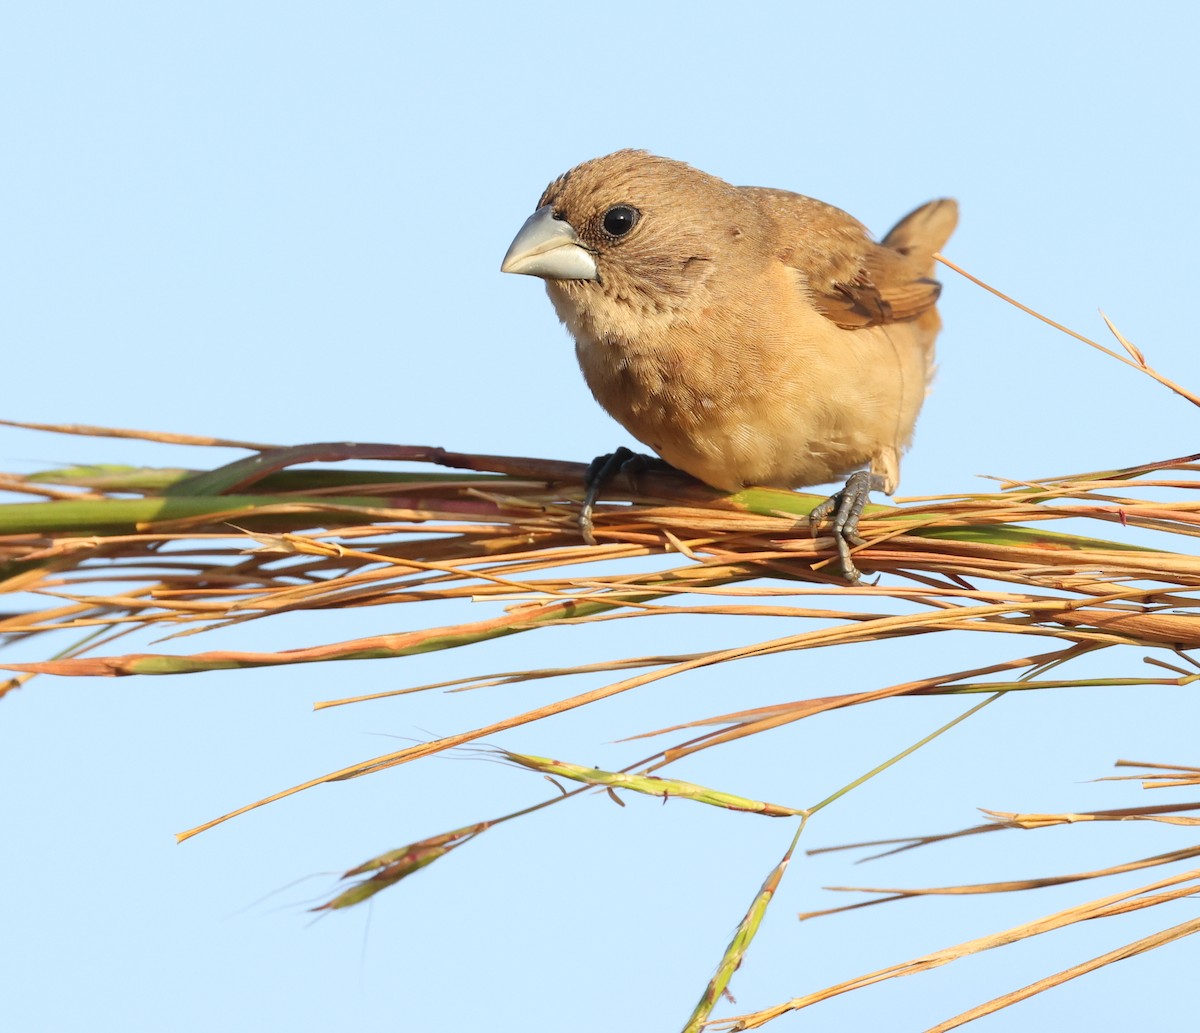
[(620, 219)]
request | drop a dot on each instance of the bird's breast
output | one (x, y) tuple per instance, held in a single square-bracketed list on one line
[(774, 398)]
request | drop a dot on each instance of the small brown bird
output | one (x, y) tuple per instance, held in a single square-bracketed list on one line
[(749, 336)]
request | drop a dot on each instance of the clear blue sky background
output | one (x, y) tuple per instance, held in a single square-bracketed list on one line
[(284, 222)]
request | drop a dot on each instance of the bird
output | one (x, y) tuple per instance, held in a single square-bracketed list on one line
[(749, 336)]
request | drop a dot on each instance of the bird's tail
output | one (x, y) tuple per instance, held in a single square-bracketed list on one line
[(924, 231)]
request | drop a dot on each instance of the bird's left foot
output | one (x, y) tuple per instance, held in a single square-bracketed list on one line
[(843, 509), (602, 470)]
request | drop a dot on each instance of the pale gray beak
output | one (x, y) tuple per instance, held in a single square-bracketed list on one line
[(549, 248)]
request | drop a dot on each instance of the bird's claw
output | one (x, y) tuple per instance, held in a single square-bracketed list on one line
[(601, 471), (843, 509)]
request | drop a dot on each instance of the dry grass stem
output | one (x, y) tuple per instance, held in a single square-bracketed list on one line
[(1063, 568)]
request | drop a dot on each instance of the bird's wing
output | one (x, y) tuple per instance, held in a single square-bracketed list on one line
[(851, 280)]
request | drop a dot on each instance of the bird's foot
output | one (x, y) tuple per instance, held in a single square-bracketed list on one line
[(602, 470), (843, 509)]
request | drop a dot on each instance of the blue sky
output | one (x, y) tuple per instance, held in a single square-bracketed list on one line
[(284, 222)]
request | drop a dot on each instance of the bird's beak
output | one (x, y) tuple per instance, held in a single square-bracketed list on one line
[(549, 248)]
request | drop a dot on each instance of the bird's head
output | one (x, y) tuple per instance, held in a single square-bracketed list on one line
[(628, 227)]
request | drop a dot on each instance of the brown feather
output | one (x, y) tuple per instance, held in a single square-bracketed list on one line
[(749, 335)]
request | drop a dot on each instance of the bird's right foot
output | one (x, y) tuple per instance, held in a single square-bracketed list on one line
[(603, 469)]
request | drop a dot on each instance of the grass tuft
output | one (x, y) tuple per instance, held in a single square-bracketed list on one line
[(1061, 566)]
